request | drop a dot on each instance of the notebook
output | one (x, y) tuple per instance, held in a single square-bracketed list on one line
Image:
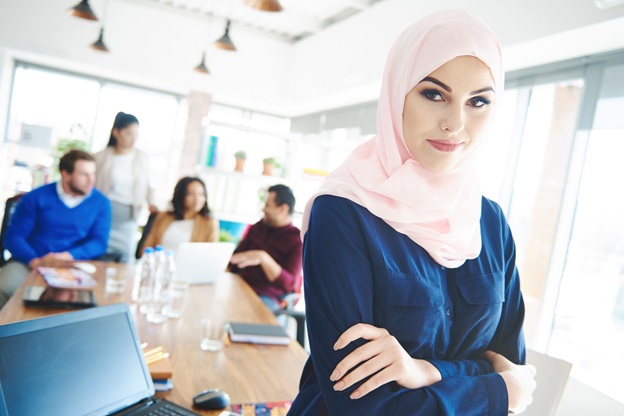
[(258, 333), (88, 362), (203, 262)]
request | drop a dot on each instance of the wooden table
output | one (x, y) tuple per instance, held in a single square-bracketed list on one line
[(248, 373)]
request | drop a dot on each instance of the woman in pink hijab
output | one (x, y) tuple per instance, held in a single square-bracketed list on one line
[(413, 298)]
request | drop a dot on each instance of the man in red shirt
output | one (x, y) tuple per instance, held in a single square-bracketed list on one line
[(269, 257)]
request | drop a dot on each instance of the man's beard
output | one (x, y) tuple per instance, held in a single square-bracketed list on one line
[(75, 190)]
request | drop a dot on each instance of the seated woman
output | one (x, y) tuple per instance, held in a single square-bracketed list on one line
[(189, 220)]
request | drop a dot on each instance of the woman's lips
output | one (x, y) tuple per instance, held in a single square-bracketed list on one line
[(445, 146)]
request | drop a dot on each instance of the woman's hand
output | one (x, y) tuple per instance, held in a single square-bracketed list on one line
[(519, 379), (384, 357), (153, 209)]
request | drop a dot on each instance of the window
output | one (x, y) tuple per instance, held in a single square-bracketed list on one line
[(49, 105), (588, 327), (565, 212)]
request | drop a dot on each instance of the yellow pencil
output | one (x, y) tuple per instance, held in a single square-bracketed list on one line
[(157, 357), (153, 351)]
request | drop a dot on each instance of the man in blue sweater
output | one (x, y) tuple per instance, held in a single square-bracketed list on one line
[(57, 223)]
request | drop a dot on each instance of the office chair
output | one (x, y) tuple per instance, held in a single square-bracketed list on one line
[(288, 310), (146, 230), (9, 209), (551, 378)]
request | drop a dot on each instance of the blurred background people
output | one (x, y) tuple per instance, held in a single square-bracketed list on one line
[(269, 257), (124, 177), (190, 219), (57, 223)]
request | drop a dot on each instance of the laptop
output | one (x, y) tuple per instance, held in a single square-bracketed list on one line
[(203, 262), (88, 362)]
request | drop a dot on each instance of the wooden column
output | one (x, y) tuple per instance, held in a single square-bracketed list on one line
[(198, 107)]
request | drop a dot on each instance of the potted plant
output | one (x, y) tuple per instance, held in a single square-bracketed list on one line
[(241, 157), (268, 164), (77, 138)]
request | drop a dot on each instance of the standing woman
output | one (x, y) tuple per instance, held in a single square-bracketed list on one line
[(190, 220), (412, 294), (123, 176)]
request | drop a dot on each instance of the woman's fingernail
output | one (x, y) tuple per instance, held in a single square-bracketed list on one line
[(355, 395), (334, 376), (338, 386), (337, 345)]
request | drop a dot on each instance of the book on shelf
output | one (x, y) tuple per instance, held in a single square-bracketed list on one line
[(258, 333), (268, 408)]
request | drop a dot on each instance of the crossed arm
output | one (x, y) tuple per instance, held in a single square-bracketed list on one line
[(362, 368)]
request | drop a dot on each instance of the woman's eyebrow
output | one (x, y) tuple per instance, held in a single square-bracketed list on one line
[(439, 83), (449, 89), (486, 89)]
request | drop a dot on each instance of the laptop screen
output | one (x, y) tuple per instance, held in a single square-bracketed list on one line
[(80, 363)]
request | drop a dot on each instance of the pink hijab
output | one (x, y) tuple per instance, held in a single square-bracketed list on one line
[(439, 211)]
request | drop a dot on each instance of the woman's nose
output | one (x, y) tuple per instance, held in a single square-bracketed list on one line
[(453, 119)]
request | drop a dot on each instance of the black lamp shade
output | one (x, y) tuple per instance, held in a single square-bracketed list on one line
[(224, 42), (83, 10), (99, 45), (202, 68)]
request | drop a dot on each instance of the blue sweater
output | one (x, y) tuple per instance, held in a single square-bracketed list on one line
[(358, 269), (42, 223)]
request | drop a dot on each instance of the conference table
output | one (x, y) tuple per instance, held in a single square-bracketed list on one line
[(249, 373)]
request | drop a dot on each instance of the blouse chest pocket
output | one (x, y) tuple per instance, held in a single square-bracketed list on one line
[(394, 288), (484, 289)]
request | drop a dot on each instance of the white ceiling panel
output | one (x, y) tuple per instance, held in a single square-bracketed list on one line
[(299, 18)]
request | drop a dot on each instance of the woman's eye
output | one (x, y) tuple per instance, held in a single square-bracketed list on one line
[(433, 95), (479, 102)]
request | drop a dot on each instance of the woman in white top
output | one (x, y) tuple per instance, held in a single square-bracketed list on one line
[(123, 176), (190, 218)]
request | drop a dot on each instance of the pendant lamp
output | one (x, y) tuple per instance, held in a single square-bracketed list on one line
[(99, 45), (224, 42), (202, 68), (264, 5), (83, 11)]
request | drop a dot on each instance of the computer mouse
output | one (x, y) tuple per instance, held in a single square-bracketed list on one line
[(211, 399), (85, 267)]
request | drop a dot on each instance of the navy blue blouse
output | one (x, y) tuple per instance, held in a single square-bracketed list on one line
[(357, 269)]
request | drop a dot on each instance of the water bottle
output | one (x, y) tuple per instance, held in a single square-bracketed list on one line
[(143, 280), (156, 313), (178, 286)]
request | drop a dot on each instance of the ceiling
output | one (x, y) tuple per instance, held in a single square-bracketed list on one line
[(298, 19), (306, 59)]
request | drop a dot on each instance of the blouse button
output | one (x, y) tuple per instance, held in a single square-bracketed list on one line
[(442, 268), (448, 312)]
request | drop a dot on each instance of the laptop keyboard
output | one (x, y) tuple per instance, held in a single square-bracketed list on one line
[(171, 410), (157, 407)]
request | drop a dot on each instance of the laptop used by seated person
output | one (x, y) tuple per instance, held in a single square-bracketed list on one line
[(88, 362), (203, 262)]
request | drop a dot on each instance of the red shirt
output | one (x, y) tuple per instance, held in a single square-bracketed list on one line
[(285, 246)]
